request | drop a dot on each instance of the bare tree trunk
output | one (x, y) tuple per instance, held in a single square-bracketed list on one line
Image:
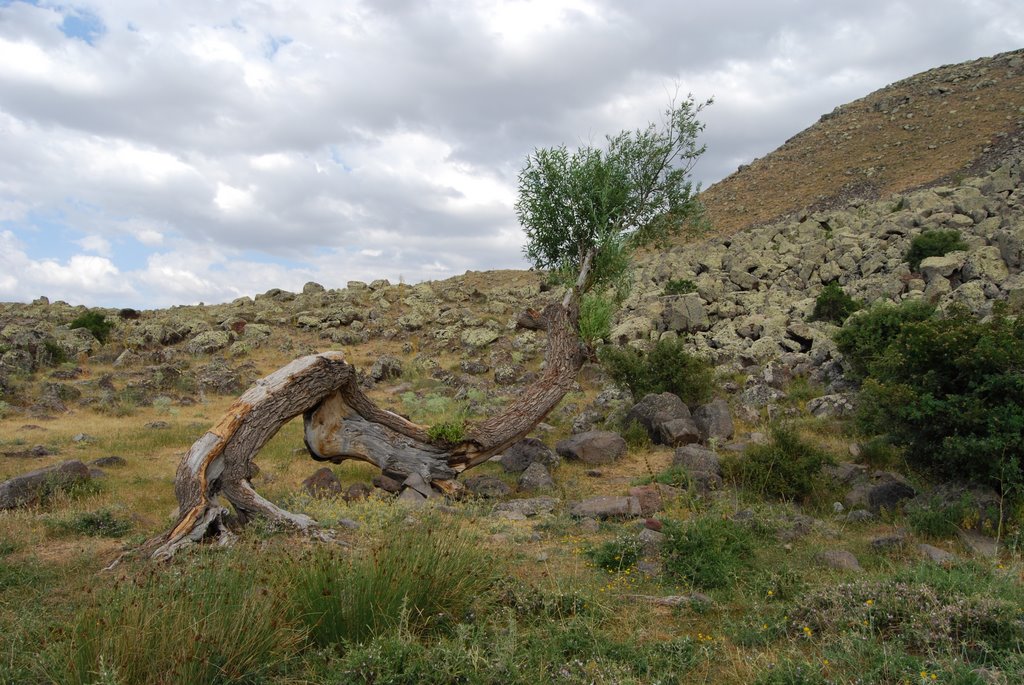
[(341, 422)]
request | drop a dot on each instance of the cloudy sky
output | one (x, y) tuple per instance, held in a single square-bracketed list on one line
[(159, 153)]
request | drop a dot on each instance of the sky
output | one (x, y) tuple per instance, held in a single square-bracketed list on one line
[(161, 153)]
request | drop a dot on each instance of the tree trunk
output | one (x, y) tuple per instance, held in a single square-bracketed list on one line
[(341, 422)]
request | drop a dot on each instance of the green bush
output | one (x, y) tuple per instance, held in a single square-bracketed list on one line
[(96, 323), (707, 552), (833, 305), (450, 432), (680, 286), (596, 313), (785, 467), (418, 577), (668, 367), (952, 391), (933, 244), (865, 337)]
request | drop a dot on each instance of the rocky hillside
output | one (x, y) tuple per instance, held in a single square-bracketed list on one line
[(936, 127)]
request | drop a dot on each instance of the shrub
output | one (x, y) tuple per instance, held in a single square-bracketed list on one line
[(952, 391), (785, 467), (680, 286), (864, 337), (636, 436), (420, 577), (933, 244), (53, 354), (617, 555), (668, 367), (96, 323), (833, 305), (707, 552), (596, 313), (450, 432)]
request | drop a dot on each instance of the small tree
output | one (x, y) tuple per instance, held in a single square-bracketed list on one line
[(592, 207)]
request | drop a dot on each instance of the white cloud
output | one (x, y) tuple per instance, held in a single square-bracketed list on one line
[(373, 139)]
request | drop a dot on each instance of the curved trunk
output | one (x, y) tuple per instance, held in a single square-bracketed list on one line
[(341, 422)]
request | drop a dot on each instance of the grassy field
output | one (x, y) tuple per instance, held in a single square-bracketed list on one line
[(454, 593)]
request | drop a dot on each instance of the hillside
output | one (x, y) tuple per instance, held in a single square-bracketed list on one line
[(935, 127)]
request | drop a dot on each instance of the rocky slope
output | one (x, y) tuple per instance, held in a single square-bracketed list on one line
[(935, 127)]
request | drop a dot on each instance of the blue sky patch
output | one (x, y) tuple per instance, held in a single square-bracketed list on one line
[(82, 24)]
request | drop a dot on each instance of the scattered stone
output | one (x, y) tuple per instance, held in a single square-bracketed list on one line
[(593, 473), (666, 419), (937, 555), (697, 459), (528, 507), (416, 482), (28, 488), (36, 452), (860, 516), (981, 545), (653, 497), (651, 541), (323, 483), (888, 542), (536, 478), (112, 461), (827, 406), (386, 484), (487, 486), (653, 524), (589, 525), (714, 421), (525, 452), (82, 438), (158, 425), (593, 447), (839, 559), (385, 368), (882, 490), (413, 497), (606, 506), (357, 492)]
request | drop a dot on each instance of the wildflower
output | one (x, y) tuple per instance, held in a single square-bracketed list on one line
[(870, 602)]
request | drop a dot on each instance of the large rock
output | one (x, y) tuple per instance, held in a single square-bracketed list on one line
[(528, 507), (593, 447), (685, 314), (666, 419), (882, 490), (487, 486), (714, 421), (654, 497), (606, 507), (536, 478), (525, 452), (208, 342), (29, 488)]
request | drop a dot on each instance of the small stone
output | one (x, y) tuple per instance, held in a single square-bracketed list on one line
[(323, 483), (936, 555), (386, 484), (839, 559), (589, 525), (487, 486), (357, 492), (606, 507), (112, 461), (535, 478), (653, 524)]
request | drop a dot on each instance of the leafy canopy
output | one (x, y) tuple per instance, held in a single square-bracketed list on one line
[(634, 192)]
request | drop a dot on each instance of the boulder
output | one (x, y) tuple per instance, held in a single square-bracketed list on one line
[(208, 342), (385, 368), (528, 507), (714, 421), (536, 478), (653, 497), (882, 490), (525, 452), (29, 488), (666, 419), (839, 559), (593, 447)]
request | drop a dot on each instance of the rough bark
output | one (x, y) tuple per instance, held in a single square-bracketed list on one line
[(341, 422)]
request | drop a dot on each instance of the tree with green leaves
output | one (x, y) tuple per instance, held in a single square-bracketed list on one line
[(584, 213), (593, 207)]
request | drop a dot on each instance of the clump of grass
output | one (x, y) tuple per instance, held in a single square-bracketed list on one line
[(101, 523), (707, 552), (223, 619), (617, 555), (680, 286), (421, 576), (636, 436)]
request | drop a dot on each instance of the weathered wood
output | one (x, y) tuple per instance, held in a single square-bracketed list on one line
[(340, 422)]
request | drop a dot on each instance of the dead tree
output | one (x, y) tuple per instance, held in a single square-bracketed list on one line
[(341, 422)]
